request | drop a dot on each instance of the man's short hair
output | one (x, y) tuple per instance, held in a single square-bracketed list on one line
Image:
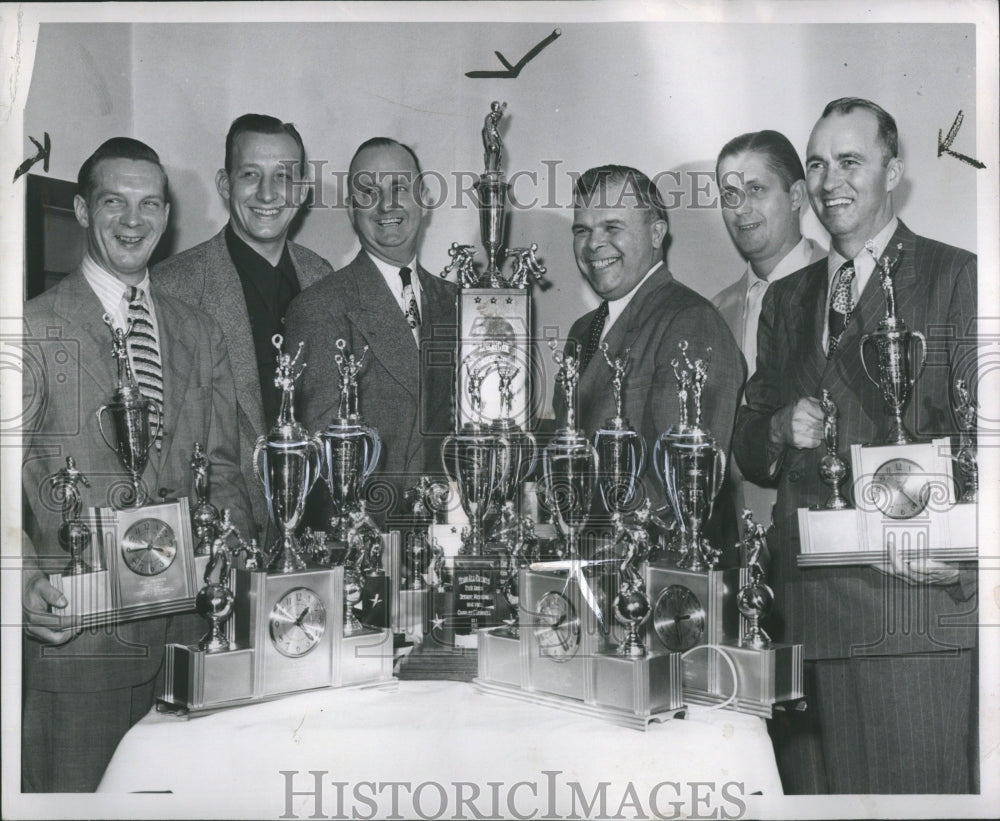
[(262, 124), (636, 187), (382, 142), (888, 135), (778, 152), (117, 148)]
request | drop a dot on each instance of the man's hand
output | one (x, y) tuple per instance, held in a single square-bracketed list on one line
[(919, 570), (798, 425), (39, 594)]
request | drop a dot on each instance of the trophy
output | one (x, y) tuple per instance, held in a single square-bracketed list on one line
[(832, 468), (130, 413), (965, 410), (621, 451), (74, 534), (350, 448), (632, 603), (690, 464), (205, 516), (287, 462), (215, 600), (521, 447), (755, 597), (893, 344), (569, 462)]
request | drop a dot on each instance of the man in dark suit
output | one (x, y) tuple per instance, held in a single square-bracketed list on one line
[(247, 274), (83, 691), (385, 300), (893, 649), (620, 239)]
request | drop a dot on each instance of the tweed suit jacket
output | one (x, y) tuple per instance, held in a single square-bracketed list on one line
[(729, 302), (205, 276), (844, 611), (68, 354), (404, 392), (662, 313)]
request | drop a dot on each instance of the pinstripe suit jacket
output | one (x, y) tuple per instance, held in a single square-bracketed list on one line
[(404, 392), (68, 356), (205, 276), (661, 313), (837, 612)]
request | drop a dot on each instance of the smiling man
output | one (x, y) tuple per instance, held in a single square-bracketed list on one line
[(620, 237), (386, 301), (249, 272), (887, 647), (82, 691)]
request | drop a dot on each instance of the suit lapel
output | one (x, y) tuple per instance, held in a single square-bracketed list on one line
[(177, 354), (79, 306), (807, 310)]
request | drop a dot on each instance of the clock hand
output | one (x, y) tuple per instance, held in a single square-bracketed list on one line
[(302, 616), (314, 634)]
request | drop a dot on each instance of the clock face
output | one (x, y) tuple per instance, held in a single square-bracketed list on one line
[(297, 622), (900, 488), (679, 618), (558, 632), (149, 547)]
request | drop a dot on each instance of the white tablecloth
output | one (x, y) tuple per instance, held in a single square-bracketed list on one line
[(441, 741)]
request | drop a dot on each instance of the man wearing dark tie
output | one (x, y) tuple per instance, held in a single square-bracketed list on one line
[(620, 239), (386, 301), (249, 272), (82, 691), (893, 649)]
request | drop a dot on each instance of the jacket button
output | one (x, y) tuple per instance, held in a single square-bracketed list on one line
[(794, 476)]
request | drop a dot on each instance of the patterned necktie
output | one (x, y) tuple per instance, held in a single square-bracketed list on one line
[(144, 350), (410, 300), (594, 335), (841, 305)]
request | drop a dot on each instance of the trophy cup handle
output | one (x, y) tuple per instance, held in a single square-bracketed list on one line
[(445, 445), (258, 449), (316, 461), (720, 475), (374, 452), (641, 467), (504, 445), (159, 421), (865, 339), (923, 356), (534, 453), (100, 425), (667, 482)]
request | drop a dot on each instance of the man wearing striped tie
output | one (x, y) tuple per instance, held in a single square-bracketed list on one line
[(893, 651), (82, 691)]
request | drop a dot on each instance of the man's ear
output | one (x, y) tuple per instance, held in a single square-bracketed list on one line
[(894, 173), (222, 184), (659, 231), (797, 192), (81, 211)]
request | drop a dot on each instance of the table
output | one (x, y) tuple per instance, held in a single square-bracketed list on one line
[(438, 742)]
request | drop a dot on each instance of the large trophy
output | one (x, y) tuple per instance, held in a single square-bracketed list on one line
[(74, 534), (832, 468), (205, 516), (690, 464), (351, 449), (893, 343), (287, 463), (130, 414)]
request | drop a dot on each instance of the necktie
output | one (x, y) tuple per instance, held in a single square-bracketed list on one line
[(594, 335), (841, 305), (144, 349), (409, 300), (751, 318)]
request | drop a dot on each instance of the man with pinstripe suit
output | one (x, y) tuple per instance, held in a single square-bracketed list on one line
[(895, 647)]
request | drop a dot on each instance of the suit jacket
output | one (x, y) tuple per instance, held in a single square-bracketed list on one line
[(835, 612), (404, 392), (662, 313), (205, 276), (68, 354)]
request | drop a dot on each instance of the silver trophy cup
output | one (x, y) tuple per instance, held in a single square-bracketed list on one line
[(351, 452), (475, 461)]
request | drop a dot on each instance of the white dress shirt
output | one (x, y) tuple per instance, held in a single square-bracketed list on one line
[(111, 292), (390, 272), (617, 307)]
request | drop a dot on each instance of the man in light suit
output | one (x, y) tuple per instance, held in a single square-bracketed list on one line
[(385, 300), (620, 238), (247, 274), (83, 691), (894, 650)]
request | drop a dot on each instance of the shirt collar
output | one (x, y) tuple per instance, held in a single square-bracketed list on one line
[(799, 257), (249, 263), (390, 272), (109, 289), (864, 263), (617, 307)]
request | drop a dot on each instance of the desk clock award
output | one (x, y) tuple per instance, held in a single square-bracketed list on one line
[(285, 617), (904, 491), (564, 652), (141, 561)]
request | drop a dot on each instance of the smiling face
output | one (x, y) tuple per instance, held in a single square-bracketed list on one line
[(761, 216), (850, 180), (125, 215), (614, 241), (385, 209), (261, 191)]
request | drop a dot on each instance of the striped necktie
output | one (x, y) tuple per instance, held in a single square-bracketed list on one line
[(410, 301), (841, 306), (144, 349), (594, 335)]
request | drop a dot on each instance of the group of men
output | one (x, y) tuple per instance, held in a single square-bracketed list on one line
[(893, 720)]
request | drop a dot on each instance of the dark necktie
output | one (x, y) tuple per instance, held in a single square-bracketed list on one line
[(409, 299), (841, 305), (594, 335), (144, 349)]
